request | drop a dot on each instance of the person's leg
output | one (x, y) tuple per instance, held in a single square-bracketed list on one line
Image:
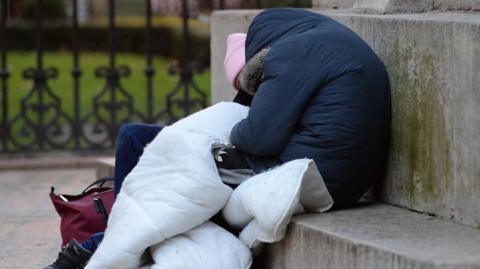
[(132, 139), (92, 243)]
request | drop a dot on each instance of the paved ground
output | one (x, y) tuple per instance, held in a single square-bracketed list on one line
[(29, 225)]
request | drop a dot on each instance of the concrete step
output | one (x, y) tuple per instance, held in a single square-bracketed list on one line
[(370, 236), (105, 167), (374, 236), (433, 62), (48, 161)]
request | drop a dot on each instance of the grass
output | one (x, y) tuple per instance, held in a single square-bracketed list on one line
[(90, 86)]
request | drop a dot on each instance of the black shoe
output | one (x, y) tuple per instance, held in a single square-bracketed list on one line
[(73, 256)]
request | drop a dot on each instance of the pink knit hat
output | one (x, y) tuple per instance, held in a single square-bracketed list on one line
[(235, 56)]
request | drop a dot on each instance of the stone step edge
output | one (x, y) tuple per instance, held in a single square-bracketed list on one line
[(470, 17), (49, 162), (374, 235), (412, 222)]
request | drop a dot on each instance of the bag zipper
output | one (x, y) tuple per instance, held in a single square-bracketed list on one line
[(100, 208)]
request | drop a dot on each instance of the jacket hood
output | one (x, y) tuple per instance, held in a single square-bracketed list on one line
[(274, 24)]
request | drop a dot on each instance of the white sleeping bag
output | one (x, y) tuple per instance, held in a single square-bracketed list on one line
[(206, 247), (264, 204), (175, 188)]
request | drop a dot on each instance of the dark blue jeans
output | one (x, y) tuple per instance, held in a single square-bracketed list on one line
[(132, 139)]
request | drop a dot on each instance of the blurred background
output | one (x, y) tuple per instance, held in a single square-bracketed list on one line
[(73, 71)]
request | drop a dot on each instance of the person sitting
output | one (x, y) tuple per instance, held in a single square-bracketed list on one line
[(134, 137), (324, 95), (315, 90)]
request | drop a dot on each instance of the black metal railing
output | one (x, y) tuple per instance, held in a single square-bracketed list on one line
[(44, 123), (4, 74)]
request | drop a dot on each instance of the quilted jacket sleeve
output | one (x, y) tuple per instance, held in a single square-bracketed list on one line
[(277, 105)]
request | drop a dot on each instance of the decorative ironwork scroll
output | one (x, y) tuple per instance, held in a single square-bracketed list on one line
[(113, 106), (41, 122), (4, 74), (181, 98)]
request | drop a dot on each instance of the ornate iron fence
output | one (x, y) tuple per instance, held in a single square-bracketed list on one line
[(44, 123)]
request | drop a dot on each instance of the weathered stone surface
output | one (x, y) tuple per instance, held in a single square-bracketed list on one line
[(333, 4), (433, 61), (457, 4), (374, 237), (105, 167), (397, 6), (379, 6), (393, 6), (222, 25)]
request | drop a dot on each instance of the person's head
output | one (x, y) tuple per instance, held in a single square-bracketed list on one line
[(235, 57), (243, 76)]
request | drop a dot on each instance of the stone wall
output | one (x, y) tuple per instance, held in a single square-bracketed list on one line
[(433, 63), (398, 6), (433, 60)]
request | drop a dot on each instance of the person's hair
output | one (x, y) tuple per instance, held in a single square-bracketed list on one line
[(251, 75)]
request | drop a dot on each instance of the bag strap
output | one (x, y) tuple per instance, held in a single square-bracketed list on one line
[(98, 182)]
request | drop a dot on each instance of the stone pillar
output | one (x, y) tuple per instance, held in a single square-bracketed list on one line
[(433, 59), (221, 27)]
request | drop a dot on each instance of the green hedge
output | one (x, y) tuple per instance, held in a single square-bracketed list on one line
[(166, 41), (51, 9)]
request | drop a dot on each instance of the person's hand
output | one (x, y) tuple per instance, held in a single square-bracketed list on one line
[(251, 74)]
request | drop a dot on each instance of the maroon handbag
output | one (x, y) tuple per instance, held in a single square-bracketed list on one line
[(85, 214)]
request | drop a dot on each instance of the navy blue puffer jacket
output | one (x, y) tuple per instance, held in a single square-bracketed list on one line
[(325, 96)]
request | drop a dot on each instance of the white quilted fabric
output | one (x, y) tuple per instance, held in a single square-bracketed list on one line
[(167, 199)]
